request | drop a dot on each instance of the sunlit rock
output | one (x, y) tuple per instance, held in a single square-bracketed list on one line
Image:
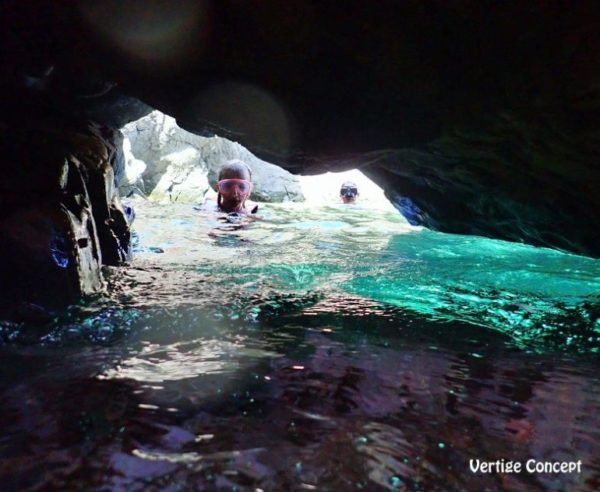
[(132, 181), (181, 165), (183, 180)]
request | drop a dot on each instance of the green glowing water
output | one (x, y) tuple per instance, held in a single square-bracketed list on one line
[(316, 349), (539, 297)]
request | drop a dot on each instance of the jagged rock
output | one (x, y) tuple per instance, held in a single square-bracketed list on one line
[(132, 181), (54, 256), (183, 179), (46, 224), (101, 154), (174, 171), (180, 164), (60, 215), (113, 109)]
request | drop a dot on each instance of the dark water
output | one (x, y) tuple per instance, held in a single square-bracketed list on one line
[(332, 349)]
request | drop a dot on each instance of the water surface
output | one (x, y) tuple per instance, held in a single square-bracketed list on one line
[(316, 349)]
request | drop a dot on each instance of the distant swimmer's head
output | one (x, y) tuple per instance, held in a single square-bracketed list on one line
[(234, 186), (349, 192)]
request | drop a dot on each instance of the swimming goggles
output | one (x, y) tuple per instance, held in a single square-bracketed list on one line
[(226, 186), (348, 191)]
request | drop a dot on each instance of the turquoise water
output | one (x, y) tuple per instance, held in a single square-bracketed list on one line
[(541, 298), (335, 348)]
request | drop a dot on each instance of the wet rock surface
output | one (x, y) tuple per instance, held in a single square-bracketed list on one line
[(60, 218)]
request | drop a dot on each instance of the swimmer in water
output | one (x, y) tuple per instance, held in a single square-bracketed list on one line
[(233, 189), (349, 192)]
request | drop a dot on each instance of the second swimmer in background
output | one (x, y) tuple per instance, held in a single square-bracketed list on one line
[(349, 192)]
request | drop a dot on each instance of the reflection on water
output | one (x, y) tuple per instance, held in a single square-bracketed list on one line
[(330, 349)]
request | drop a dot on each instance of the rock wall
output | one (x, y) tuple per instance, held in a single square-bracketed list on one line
[(60, 216), (518, 178), (179, 166)]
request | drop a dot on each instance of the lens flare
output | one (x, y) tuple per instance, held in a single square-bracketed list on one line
[(155, 32)]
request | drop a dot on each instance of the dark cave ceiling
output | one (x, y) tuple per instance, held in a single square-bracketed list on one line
[(475, 117)]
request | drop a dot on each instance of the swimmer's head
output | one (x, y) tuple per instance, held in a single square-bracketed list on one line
[(234, 186), (235, 169), (349, 192)]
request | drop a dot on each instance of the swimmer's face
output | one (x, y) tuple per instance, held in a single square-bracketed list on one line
[(234, 185), (349, 193)]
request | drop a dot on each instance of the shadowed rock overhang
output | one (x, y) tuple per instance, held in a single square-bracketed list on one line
[(476, 118)]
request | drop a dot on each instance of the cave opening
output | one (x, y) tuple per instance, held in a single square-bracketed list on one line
[(317, 345), (167, 164)]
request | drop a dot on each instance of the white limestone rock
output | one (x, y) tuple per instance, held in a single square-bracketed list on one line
[(180, 164)]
